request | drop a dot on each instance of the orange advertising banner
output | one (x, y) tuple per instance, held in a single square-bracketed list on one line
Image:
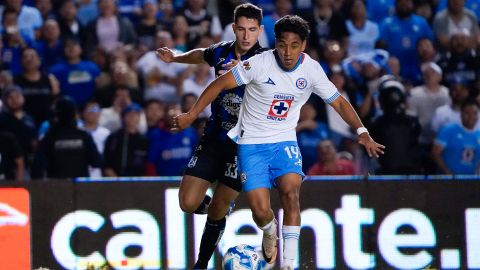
[(14, 229)]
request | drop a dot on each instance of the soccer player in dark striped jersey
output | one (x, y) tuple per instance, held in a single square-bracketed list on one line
[(215, 158)]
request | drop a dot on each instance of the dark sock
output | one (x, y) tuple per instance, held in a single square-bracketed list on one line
[(211, 236), (203, 208)]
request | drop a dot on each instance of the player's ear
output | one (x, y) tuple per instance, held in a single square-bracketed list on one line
[(234, 27), (261, 28), (304, 45)]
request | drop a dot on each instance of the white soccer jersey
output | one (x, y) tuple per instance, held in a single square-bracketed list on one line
[(273, 97)]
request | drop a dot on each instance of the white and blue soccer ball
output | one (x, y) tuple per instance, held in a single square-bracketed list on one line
[(243, 257)]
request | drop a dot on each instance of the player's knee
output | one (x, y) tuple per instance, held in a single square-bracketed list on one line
[(261, 212), (187, 205), (290, 198)]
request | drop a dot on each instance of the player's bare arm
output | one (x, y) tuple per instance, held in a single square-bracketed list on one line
[(191, 57), (224, 82), (348, 114)]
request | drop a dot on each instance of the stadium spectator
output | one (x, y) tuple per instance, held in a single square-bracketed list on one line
[(130, 9), (425, 99), (423, 8), (91, 116), (398, 131), (400, 33), (379, 10), (39, 89), (119, 75), (45, 8), (65, 151), (282, 8), (200, 21), (309, 134), (29, 18), (340, 132), (70, 25), (332, 55), (326, 24), (154, 115), (13, 42), (450, 113), (77, 77), (456, 149), (50, 47), (454, 19), (12, 165), (126, 150), (169, 151), (329, 162), (147, 26), (363, 33), (13, 119), (87, 11), (109, 30), (181, 35), (461, 62), (426, 51), (110, 117), (161, 78), (166, 14)]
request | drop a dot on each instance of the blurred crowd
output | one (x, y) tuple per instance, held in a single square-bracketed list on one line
[(84, 94)]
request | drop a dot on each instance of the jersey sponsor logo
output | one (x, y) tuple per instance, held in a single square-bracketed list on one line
[(246, 65), (231, 103), (270, 81), (301, 83), (279, 109)]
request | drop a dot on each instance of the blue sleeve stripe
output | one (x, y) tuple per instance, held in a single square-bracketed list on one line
[(332, 98), (238, 79)]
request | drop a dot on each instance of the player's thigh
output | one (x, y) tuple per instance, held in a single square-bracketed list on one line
[(288, 186), (254, 163), (192, 191), (287, 167), (221, 200)]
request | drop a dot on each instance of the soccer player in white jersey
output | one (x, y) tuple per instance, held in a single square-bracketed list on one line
[(278, 82)]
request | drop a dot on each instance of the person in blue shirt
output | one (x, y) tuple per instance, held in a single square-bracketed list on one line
[(399, 35), (50, 48), (309, 134), (170, 152), (378, 10), (215, 159), (77, 77), (457, 146)]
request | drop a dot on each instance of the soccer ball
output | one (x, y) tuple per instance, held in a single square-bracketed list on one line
[(242, 257)]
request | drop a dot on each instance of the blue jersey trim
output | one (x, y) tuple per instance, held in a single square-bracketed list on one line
[(279, 62), (332, 98), (238, 79)]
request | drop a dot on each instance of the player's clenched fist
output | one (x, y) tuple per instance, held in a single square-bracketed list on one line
[(181, 121), (165, 54)]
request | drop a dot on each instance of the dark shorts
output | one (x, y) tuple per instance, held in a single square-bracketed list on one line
[(216, 161)]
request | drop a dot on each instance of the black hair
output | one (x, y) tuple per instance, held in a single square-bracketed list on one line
[(8, 11), (294, 24), (249, 11), (469, 102)]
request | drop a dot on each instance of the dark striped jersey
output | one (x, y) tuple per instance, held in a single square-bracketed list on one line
[(226, 106)]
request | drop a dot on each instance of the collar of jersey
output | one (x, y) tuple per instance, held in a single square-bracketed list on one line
[(249, 53), (279, 62)]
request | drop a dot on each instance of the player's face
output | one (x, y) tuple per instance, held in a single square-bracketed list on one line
[(289, 46), (246, 32)]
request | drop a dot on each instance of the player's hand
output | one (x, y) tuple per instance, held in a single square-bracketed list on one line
[(373, 149), (165, 54), (181, 121)]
